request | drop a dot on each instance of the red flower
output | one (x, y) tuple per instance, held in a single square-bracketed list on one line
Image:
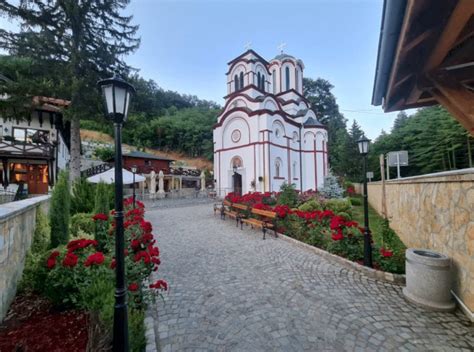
[(154, 251), (113, 264), (338, 236), (133, 287), (80, 243), (70, 260), (282, 210), (94, 259), (146, 226), (386, 253), (135, 244), (100, 216), (51, 262), (160, 285), (142, 254)]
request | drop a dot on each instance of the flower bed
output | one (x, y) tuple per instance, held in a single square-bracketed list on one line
[(80, 275), (323, 223)]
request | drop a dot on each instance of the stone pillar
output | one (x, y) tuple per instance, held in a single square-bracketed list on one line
[(203, 181), (161, 188), (152, 189)]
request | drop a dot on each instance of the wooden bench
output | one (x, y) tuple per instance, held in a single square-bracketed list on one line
[(266, 221), (233, 210)]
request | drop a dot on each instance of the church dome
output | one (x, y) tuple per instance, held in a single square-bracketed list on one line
[(284, 56), (312, 122)]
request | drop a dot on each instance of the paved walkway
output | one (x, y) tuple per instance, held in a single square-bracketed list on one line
[(231, 291)]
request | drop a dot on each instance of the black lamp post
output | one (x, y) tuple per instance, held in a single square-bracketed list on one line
[(134, 171), (117, 94), (364, 150)]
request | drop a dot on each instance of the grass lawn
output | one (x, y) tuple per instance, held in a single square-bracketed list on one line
[(375, 224)]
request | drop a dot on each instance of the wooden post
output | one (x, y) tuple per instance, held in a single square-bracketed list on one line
[(382, 174)]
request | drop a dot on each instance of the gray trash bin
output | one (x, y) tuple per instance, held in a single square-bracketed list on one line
[(428, 279)]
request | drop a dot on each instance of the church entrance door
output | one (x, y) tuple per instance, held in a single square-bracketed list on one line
[(237, 183)]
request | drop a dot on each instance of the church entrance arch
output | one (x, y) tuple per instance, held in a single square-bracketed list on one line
[(237, 164)]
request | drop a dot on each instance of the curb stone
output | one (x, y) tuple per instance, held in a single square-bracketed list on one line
[(151, 332), (396, 279)]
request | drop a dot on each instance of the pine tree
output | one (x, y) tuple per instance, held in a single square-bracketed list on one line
[(331, 187), (59, 212), (102, 198), (82, 41)]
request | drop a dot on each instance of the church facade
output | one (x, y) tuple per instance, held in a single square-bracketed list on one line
[(267, 135)]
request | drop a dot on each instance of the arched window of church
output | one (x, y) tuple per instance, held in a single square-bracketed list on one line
[(296, 79), (258, 80), (236, 162), (241, 80), (263, 83), (274, 81), (278, 167), (236, 83), (287, 77), (294, 168)]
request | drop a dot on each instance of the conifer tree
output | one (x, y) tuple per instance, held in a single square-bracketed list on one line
[(80, 41), (59, 212)]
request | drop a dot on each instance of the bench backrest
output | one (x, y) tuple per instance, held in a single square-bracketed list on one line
[(240, 206), (264, 213), (226, 203)]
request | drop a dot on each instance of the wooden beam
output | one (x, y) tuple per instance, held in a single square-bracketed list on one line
[(417, 40), (457, 99), (407, 20), (456, 23)]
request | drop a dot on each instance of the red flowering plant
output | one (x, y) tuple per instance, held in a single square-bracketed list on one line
[(69, 271), (82, 262), (101, 226)]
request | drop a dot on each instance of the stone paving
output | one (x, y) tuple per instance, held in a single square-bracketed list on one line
[(232, 291)]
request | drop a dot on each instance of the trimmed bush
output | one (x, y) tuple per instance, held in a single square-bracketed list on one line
[(288, 195), (82, 199), (102, 199), (41, 237), (82, 223), (355, 201), (339, 206), (59, 213), (311, 205)]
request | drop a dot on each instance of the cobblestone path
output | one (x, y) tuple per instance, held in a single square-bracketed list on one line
[(232, 291)]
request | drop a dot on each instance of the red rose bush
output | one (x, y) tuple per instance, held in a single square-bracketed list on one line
[(71, 269)]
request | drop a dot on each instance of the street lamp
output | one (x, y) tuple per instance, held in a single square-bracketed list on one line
[(363, 144), (134, 171), (116, 93)]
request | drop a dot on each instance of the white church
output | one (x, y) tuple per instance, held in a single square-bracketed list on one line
[(267, 134)]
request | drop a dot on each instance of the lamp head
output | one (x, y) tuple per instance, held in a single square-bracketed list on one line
[(116, 93)]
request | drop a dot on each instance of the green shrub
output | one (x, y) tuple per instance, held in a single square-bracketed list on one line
[(136, 323), (82, 223), (82, 199), (41, 237), (102, 198), (339, 206), (355, 201), (311, 205), (288, 195), (59, 213), (34, 272)]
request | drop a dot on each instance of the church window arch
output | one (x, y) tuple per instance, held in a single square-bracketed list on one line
[(258, 80), (297, 77), (295, 137), (241, 80), (278, 167), (236, 83), (274, 83), (287, 78), (263, 83), (236, 162)]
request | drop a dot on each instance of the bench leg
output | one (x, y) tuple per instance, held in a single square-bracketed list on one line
[(264, 229), (237, 221), (241, 225)]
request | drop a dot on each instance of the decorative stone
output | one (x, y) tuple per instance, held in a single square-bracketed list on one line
[(428, 279)]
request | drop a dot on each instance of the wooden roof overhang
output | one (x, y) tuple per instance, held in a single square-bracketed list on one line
[(426, 57)]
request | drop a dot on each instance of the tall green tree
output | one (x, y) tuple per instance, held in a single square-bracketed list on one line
[(83, 39), (323, 103), (59, 212)]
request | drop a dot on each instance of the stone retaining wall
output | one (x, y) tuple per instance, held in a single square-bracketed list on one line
[(435, 211), (17, 225)]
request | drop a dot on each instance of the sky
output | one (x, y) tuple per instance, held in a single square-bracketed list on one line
[(186, 44)]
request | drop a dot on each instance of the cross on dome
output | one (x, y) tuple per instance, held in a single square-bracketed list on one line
[(248, 45), (281, 46)]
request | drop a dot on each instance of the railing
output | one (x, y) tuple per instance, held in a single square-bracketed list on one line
[(12, 148), (6, 196), (94, 170)]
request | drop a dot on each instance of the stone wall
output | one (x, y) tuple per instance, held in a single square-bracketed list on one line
[(435, 211), (17, 225)]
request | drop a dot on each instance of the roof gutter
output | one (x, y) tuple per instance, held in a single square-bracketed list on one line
[(392, 19)]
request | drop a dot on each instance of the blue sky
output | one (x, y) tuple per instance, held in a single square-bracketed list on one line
[(186, 45)]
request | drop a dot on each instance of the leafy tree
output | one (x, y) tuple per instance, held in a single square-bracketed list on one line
[(80, 42), (59, 212), (82, 199), (102, 198), (323, 102), (104, 153)]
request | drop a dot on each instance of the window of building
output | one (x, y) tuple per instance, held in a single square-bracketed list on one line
[(287, 78), (296, 79), (236, 162), (258, 80), (29, 135), (263, 83), (274, 81), (294, 168), (241, 80), (236, 83), (278, 166)]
